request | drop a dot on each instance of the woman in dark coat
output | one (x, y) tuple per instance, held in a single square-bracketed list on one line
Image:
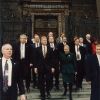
[(68, 69)]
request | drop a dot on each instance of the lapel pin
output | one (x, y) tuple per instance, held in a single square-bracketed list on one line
[(69, 55)]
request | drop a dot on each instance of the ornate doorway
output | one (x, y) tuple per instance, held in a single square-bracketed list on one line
[(43, 24)]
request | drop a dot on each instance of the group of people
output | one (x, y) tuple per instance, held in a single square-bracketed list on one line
[(47, 58)]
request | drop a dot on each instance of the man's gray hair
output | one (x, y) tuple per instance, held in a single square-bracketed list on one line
[(43, 37), (64, 38), (80, 37), (3, 47), (88, 35), (22, 35)]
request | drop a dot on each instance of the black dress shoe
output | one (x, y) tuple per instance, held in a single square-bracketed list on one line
[(42, 98), (64, 94), (70, 97), (48, 95), (57, 87), (28, 90), (34, 85), (77, 88)]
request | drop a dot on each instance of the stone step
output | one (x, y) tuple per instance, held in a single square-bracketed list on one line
[(60, 90), (60, 79), (59, 95), (63, 99), (82, 94)]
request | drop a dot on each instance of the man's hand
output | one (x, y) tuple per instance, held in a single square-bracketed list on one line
[(31, 65), (35, 70), (23, 97), (60, 74), (89, 82), (75, 73), (52, 70)]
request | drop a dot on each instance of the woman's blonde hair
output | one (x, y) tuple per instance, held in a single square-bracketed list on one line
[(67, 46)]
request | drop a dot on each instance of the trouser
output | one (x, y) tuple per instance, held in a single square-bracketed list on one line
[(80, 74), (45, 75), (56, 75), (25, 72), (34, 77)]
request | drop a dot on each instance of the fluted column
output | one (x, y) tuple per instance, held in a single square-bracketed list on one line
[(0, 24), (98, 12)]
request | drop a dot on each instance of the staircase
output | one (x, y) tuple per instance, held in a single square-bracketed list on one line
[(82, 94)]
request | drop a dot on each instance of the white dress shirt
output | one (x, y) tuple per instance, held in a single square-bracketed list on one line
[(9, 69), (37, 44), (22, 49), (43, 49), (52, 45), (64, 43), (98, 56), (81, 44), (77, 52)]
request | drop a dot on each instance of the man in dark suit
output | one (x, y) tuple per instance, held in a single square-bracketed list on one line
[(87, 41), (33, 46), (10, 76), (61, 46), (72, 43), (79, 51), (22, 55), (44, 66), (93, 73), (50, 34), (28, 41), (56, 60)]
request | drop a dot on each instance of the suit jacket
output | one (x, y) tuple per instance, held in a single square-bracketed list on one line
[(29, 42), (88, 46), (82, 52), (93, 75), (68, 63), (40, 63), (17, 53), (61, 47), (16, 79), (56, 54), (32, 50), (25, 66)]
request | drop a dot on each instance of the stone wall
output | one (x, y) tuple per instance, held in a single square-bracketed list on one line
[(11, 9)]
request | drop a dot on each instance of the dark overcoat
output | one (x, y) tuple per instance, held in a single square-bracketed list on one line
[(93, 75), (68, 64)]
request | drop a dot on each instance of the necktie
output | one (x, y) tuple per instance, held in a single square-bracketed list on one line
[(37, 44), (44, 53), (5, 77), (51, 45)]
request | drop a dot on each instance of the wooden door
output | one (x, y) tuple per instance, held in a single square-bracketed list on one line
[(45, 24)]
